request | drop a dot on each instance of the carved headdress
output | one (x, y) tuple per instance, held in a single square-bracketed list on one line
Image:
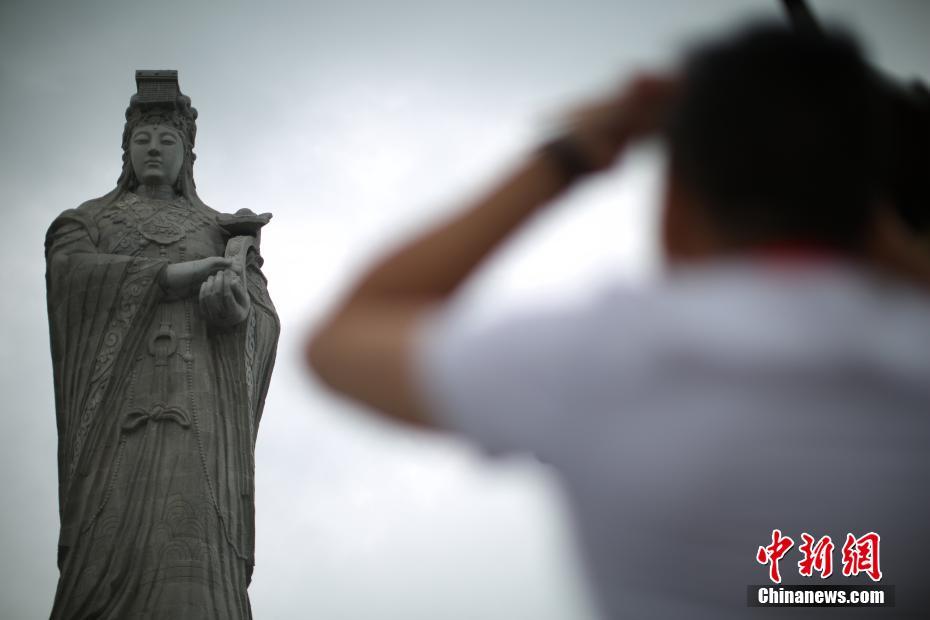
[(159, 100)]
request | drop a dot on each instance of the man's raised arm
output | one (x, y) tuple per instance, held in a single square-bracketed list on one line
[(364, 348)]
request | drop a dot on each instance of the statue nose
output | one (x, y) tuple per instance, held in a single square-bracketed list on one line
[(153, 150)]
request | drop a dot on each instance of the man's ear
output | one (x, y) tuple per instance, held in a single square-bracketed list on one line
[(892, 246), (687, 234)]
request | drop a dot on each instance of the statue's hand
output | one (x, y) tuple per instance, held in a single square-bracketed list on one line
[(224, 299), (183, 279)]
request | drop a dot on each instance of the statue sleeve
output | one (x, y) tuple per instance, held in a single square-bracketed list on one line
[(98, 305), (265, 330), (243, 358)]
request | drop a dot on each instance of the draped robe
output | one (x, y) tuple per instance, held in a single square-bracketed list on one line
[(157, 414)]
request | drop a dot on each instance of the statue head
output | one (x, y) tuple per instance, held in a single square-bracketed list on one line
[(158, 138)]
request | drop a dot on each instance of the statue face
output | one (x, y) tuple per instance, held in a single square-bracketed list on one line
[(156, 152)]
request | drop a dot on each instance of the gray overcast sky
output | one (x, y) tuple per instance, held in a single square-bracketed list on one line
[(353, 123)]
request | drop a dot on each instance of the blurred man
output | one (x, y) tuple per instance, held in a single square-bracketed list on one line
[(774, 384)]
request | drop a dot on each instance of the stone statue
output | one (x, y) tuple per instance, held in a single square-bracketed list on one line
[(163, 340)]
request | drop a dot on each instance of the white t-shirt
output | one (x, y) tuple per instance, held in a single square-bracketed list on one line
[(690, 419)]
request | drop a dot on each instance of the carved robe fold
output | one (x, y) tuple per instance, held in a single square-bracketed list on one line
[(157, 414)]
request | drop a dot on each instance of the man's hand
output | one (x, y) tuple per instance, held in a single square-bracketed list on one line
[(183, 279), (601, 128), (224, 300)]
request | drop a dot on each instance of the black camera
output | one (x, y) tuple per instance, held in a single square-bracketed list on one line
[(906, 161), (904, 169)]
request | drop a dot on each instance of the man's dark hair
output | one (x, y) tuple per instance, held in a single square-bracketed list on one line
[(777, 133)]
